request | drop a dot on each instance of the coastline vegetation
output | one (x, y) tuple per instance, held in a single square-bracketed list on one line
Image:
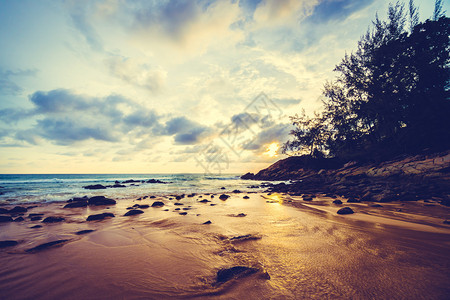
[(390, 97)]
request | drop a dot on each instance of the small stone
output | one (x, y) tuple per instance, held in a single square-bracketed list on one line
[(100, 216), (207, 222), (36, 226), (81, 232), (53, 219), (19, 219), (224, 197), (7, 243), (345, 211), (157, 204), (46, 246), (225, 275), (183, 213), (337, 202), (134, 212), (246, 197)]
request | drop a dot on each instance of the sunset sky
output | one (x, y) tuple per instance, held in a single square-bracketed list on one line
[(119, 86)]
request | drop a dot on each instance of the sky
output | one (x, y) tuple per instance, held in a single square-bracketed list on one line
[(141, 86)]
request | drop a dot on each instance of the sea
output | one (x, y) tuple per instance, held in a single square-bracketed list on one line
[(41, 188)]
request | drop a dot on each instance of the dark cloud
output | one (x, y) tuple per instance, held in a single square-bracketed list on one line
[(64, 117), (185, 131)]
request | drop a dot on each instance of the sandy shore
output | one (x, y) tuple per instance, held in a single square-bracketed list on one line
[(298, 249)]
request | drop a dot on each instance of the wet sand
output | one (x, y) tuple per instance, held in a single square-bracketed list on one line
[(305, 247)]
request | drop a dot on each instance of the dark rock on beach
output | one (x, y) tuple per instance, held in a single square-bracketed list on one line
[(227, 274), (337, 202), (246, 197), (19, 219), (207, 222), (99, 216), (53, 220), (36, 226), (157, 204), (224, 197), (345, 211), (134, 212), (95, 187), (3, 211), (8, 243), (18, 210), (101, 200), (76, 204), (81, 232), (5, 219), (46, 246)]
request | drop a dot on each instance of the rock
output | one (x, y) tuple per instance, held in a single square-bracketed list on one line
[(337, 202), (222, 188), (144, 206), (18, 210), (101, 200), (36, 226), (36, 218), (76, 204), (178, 197), (4, 219), (376, 205), (204, 201), (248, 176), (134, 212), (246, 197), (100, 216), (81, 232), (223, 197), (177, 209), (34, 215), (53, 219), (307, 198), (4, 211), (183, 213), (247, 237), (118, 185), (95, 187), (225, 275), (178, 203), (19, 219), (236, 191), (130, 181), (152, 197), (207, 222), (157, 204), (446, 222), (46, 246), (345, 211), (7, 243), (353, 200)]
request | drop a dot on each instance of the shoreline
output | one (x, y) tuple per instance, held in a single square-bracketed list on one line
[(162, 253)]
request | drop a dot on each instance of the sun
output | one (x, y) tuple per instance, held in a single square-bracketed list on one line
[(272, 149)]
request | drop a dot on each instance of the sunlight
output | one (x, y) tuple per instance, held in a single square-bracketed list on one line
[(272, 149)]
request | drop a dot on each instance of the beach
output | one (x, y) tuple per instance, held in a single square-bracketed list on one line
[(288, 248)]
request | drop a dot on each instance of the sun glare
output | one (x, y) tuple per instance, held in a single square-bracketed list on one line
[(272, 149)]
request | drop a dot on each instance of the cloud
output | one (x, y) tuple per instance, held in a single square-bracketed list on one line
[(187, 24), (277, 133), (80, 19), (185, 131), (132, 72), (8, 86), (332, 10)]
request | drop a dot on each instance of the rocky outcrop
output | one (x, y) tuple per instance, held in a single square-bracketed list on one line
[(404, 179)]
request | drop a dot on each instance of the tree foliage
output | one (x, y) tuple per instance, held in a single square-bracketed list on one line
[(390, 96)]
